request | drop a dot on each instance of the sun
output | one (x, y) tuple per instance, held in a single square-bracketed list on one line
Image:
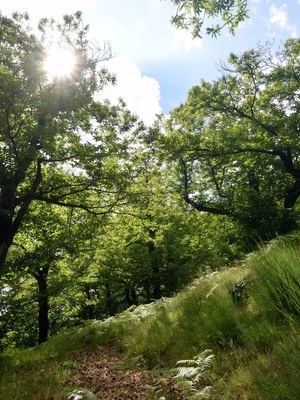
[(59, 62)]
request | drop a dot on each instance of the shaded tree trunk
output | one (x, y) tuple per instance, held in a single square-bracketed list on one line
[(41, 275), (108, 298), (6, 219), (289, 222), (89, 307), (131, 297), (155, 279), (292, 195), (10, 220)]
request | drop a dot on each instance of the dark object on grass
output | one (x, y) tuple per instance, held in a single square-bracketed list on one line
[(239, 292)]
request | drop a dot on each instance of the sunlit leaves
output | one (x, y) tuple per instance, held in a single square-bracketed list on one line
[(193, 15), (58, 145), (235, 139)]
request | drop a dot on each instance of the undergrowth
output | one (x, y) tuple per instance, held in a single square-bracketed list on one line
[(255, 341)]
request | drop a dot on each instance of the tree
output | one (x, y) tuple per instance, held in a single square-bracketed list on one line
[(154, 244), (192, 14), (41, 265), (235, 141), (54, 137)]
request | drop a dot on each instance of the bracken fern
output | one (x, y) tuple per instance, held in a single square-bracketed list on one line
[(196, 373)]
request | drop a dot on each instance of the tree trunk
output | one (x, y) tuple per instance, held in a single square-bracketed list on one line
[(4, 246), (41, 276), (109, 303), (131, 297), (89, 307), (155, 279), (289, 222), (10, 220), (292, 195), (6, 219)]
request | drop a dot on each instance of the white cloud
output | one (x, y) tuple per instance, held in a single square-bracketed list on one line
[(141, 93), (278, 16), (140, 30), (155, 3), (183, 39)]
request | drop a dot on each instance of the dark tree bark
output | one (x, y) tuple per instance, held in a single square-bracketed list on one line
[(131, 297), (41, 275), (155, 279), (89, 307), (292, 196), (108, 298), (10, 219)]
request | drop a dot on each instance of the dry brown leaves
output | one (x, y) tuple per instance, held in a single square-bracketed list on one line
[(104, 371)]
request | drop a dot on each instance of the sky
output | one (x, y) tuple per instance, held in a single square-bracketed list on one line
[(155, 63)]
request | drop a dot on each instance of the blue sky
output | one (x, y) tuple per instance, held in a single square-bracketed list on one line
[(156, 64)]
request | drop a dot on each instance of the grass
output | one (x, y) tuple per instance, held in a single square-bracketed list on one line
[(38, 373), (203, 316), (255, 343)]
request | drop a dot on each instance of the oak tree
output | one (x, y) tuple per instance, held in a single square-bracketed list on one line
[(57, 143), (236, 140)]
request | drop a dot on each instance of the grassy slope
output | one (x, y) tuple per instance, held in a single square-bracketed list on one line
[(255, 343)]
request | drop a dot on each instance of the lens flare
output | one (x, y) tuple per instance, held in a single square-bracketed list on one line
[(59, 62)]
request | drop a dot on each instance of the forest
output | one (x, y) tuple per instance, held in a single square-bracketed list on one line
[(101, 214)]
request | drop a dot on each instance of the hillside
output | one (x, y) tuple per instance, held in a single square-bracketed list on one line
[(237, 329)]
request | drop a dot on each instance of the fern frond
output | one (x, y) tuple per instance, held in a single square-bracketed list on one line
[(187, 372), (186, 363), (206, 354), (203, 394), (196, 371), (205, 362), (200, 377)]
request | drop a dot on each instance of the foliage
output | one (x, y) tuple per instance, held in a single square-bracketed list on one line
[(40, 270), (278, 280), (64, 169), (58, 144), (192, 14), (255, 348), (231, 157), (24, 366), (152, 247), (193, 320), (148, 246), (196, 372), (99, 215)]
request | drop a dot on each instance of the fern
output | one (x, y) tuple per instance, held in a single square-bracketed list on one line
[(196, 372)]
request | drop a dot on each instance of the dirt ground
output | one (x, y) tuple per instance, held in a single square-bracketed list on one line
[(105, 371)]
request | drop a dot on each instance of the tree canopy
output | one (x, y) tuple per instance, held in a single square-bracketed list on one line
[(57, 144), (235, 140), (99, 212)]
